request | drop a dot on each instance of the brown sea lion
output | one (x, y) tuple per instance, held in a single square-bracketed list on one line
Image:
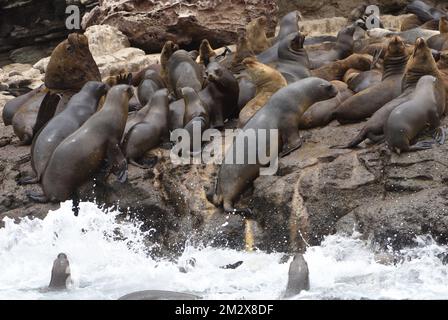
[(268, 81), (364, 80), (80, 108), (151, 83), (148, 133), (422, 111), (82, 154), (167, 51), (437, 42), (410, 22), (256, 35), (13, 105), (243, 51), (363, 104), (71, 64), (282, 113), (337, 69), (321, 113), (206, 53), (350, 74)]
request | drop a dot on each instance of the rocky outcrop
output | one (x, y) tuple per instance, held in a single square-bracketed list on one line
[(149, 24)]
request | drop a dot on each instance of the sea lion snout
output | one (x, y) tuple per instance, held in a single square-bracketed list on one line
[(420, 43), (329, 89)]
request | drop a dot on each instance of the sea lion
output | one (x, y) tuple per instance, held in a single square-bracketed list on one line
[(268, 81), (71, 64), (438, 41), (167, 51), (81, 154), (152, 82), (159, 295), (321, 113), (13, 105), (206, 53), (256, 35), (410, 22), (282, 112), (350, 74), (243, 51), (288, 24), (363, 104), (342, 49), (298, 277), (80, 108), (148, 133), (424, 12), (183, 72), (60, 273), (364, 80), (422, 111), (337, 69)]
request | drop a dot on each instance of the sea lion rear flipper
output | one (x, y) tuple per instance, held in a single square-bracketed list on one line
[(117, 162), (440, 135), (28, 180), (422, 145), (37, 197), (47, 110)]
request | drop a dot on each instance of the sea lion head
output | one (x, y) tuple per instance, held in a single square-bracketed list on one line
[(206, 52), (223, 78), (99, 88), (60, 272), (263, 75), (189, 95), (167, 51), (71, 64), (422, 54), (297, 42), (443, 25), (214, 72), (396, 47), (443, 61)]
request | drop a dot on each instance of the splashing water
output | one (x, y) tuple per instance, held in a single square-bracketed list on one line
[(109, 259)]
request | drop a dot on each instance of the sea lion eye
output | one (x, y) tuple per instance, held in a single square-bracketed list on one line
[(70, 48)]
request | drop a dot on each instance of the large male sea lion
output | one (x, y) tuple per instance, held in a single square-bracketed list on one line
[(282, 113), (268, 81), (337, 69), (13, 105), (167, 51), (148, 133), (423, 110), (71, 64), (60, 273), (298, 277), (80, 108), (256, 35), (152, 82), (363, 104), (81, 154)]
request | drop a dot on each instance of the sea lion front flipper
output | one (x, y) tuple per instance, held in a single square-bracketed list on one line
[(37, 197), (117, 162), (28, 180), (422, 145), (290, 144), (46, 111)]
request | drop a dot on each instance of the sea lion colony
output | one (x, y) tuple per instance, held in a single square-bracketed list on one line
[(81, 128)]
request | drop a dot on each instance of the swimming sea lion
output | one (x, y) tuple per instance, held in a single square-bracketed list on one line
[(363, 104), (80, 108), (364, 80), (268, 81), (159, 295), (206, 53), (71, 64), (60, 273), (148, 133), (183, 72), (298, 277), (256, 35), (438, 41), (423, 110), (282, 112), (152, 82), (337, 69), (321, 113), (81, 154), (13, 105)]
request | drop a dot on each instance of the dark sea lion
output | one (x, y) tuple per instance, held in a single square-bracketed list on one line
[(206, 53), (159, 295), (293, 62), (337, 69), (13, 105), (321, 113), (80, 108), (288, 24), (363, 104), (183, 72), (150, 132), (138, 76), (60, 273), (82, 154), (424, 11), (438, 41), (282, 112), (243, 51), (196, 113), (364, 80), (342, 49), (298, 277), (268, 81), (71, 64), (151, 83), (256, 35), (422, 111)]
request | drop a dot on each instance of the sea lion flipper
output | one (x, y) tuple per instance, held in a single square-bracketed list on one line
[(291, 144), (117, 162), (440, 135), (37, 197), (28, 180), (47, 110), (422, 145)]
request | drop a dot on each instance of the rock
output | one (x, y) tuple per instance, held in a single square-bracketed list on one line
[(149, 24), (104, 39), (19, 78), (31, 54)]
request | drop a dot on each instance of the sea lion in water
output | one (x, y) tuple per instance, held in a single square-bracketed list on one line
[(298, 277), (183, 72), (13, 105), (256, 35), (337, 69), (364, 80), (363, 104), (148, 133), (282, 112), (80, 108), (159, 295), (320, 114), (206, 53), (60, 273), (268, 81), (71, 64), (438, 41), (152, 82), (423, 110), (82, 154)]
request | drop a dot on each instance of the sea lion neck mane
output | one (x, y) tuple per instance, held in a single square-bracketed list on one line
[(395, 61)]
